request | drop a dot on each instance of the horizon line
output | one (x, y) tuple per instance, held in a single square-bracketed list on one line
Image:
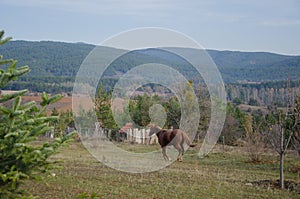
[(216, 49)]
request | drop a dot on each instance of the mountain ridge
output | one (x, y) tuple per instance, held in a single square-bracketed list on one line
[(63, 59)]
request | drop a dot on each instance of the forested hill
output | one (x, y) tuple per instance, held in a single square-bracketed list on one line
[(58, 62), (47, 58), (256, 66)]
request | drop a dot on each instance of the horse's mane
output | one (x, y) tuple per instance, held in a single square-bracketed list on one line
[(154, 128), (152, 125)]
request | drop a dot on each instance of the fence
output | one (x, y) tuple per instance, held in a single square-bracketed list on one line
[(130, 135), (140, 136), (51, 134)]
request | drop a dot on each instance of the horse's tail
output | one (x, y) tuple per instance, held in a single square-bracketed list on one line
[(187, 139)]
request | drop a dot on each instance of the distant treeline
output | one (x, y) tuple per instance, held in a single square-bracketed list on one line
[(40, 84), (258, 94), (264, 94)]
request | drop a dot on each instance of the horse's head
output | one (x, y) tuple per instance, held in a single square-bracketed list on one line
[(153, 129)]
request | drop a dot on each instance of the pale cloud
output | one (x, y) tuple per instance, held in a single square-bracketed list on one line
[(277, 23), (102, 7), (230, 11)]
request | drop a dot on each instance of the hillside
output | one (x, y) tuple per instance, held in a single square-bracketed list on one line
[(255, 66), (47, 58), (55, 64)]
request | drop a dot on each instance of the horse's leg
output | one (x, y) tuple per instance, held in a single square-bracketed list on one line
[(180, 152), (164, 152), (181, 149)]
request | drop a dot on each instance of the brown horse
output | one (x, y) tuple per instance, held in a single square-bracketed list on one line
[(175, 137)]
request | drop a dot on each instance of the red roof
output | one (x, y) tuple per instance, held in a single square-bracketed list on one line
[(125, 128)]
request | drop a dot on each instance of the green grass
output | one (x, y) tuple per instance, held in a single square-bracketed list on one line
[(219, 175)]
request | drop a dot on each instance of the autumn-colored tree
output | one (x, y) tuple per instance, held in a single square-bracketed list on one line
[(254, 137)]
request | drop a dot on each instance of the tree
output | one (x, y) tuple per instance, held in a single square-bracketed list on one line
[(139, 109), (104, 112), (237, 101), (254, 137), (65, 120), (103, 109), (20, 124), (234, 125), (253, 102), (296, 130), (281, 127), (173, 112)]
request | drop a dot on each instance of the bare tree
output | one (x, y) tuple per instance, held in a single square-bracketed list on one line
[(281, 127), (296, 129)]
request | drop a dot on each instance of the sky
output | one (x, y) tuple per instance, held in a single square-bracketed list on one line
[(243, 25)]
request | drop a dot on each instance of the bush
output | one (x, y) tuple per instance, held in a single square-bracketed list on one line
[(237, 101), (253, 102)]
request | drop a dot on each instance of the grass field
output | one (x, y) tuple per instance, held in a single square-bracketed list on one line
[(222, 174)]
